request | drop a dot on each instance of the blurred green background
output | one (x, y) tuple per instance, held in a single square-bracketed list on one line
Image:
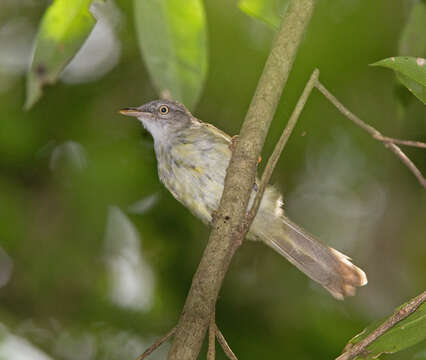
[(96, 257)]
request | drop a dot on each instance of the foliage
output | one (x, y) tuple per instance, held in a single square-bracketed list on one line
[(404, 334), (71, 165), (267, 11), (410, 71), (63, 30), (173, 43)]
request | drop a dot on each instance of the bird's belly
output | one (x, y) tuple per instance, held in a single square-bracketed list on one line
[(197, 184)]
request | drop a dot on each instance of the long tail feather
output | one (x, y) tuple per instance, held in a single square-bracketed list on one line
[(332, 269)]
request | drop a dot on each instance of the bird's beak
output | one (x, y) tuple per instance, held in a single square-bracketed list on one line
[(131, 111)]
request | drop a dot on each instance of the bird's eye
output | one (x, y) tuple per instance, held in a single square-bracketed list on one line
[(163, 109)]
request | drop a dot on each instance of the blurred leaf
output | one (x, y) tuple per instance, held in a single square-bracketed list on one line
[(404, 334), (410, 71), (173, 43), (420, 355), (64, 28), (412, 42), (143, 205), (267, 11), (132, 279), (69, 153), (413, 38)]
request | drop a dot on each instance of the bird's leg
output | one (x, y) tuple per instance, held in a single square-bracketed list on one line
[(233, 143), (214, 217)]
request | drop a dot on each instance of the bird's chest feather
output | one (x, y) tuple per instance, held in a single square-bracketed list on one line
[(194, 172)]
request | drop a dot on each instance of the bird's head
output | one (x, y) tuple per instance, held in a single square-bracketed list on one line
[(161, 117)]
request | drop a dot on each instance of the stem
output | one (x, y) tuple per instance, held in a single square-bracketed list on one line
[(412, 143), (279, 147), (399, 315), (227, 228), (373, 132), (157, 344), (226, 348)]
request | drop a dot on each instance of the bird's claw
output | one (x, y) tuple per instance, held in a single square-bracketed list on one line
[(233, 143)]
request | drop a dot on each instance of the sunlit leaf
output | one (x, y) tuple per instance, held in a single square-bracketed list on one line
[(173, 42), (410, 71), (404, 334), (267, 11), (413, 38), (64, 28)]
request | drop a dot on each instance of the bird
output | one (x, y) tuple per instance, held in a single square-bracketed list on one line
[(192, 160)]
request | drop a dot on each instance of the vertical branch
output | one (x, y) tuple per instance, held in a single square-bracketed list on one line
[(227, 228)]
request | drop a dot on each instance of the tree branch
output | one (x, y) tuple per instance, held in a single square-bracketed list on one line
[(399, 315), (226, 348), (239, 181), (157, 344), (418, 144), (375, 133)]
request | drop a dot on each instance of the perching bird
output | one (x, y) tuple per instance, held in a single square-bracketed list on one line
[(192, 160)]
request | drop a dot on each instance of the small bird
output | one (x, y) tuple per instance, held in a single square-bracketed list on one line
[(192, 160)]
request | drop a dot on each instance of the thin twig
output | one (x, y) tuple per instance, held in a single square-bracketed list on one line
[(373, 132), (399, 315), (211, 352), (412, 143), (157, 344), (226, 348), (272, 161)]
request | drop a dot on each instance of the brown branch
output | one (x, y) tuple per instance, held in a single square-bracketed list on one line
[(227, 228), (211, 352), (156, 345), (418, 144), (373, 132), (399, 315), (226, 348), (273, 159)]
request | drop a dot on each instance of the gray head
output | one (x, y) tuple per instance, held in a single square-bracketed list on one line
[(161, 117)]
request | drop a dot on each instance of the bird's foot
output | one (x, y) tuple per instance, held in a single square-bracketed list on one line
[(233, 143)]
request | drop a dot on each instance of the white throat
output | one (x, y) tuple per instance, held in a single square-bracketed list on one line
[(157, 129)]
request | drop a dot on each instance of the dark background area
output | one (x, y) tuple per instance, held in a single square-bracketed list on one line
[(96, 257)]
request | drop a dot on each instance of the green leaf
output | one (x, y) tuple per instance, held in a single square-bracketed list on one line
[(64, 28), (404, 334), (267, 11), (173, 42), (410, 71), (413, 38)]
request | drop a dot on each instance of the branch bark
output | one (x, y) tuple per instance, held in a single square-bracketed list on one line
[(228, 229)]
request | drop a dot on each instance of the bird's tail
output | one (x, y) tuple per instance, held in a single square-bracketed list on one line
[(327, 266)]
